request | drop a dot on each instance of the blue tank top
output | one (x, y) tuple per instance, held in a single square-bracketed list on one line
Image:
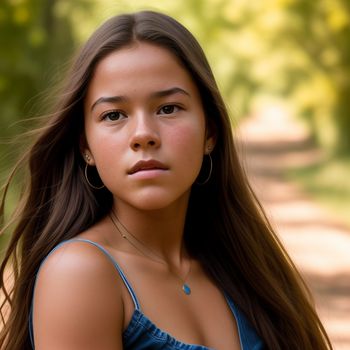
[(141, 333)]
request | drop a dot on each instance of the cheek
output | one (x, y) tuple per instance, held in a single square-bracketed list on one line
[(192, 144), (106, 150), (102, 142), (189, 145)]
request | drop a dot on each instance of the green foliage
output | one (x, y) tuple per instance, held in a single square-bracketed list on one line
[(300, 50), (36, 39), (327, 25)]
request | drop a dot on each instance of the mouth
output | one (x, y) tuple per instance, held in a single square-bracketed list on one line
[(145, 165)]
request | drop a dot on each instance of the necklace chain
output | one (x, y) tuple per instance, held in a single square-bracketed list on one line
[(150, 254)]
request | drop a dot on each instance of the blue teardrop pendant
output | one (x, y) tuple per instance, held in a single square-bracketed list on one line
[(186, 289)]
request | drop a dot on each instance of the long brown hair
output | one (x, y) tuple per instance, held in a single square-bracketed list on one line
[(226, 229)]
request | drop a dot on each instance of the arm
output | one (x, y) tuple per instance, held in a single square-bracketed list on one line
[(78, 301)]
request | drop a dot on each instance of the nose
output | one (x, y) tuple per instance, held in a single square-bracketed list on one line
[(144, 134)]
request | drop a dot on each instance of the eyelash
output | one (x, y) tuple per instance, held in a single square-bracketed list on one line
[(176, 107), (106, 114)]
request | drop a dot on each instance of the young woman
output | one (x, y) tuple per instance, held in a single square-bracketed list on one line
[(138, 228)]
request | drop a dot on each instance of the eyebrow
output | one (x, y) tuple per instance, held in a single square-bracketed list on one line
[(157, 94), (168, 92)]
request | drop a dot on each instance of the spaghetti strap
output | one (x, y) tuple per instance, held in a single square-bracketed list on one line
[(116, 265)]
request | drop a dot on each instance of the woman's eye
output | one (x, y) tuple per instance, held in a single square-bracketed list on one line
[(168, 109), (113, 116)]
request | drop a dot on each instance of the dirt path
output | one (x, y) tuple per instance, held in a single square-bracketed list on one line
[(319, 244)]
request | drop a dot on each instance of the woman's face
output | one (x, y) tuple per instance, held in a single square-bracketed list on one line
[(145, 127)]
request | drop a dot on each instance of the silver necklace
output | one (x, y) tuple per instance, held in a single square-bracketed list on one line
[(146, 251)]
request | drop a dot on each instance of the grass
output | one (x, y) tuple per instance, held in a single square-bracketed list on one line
[(329, 184)]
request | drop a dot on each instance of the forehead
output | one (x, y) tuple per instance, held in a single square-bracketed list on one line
[(138, 55), (138, 69)]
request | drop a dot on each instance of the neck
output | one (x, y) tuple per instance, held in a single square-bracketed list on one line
[(160, 230)]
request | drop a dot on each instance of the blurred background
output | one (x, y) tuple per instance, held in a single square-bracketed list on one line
[(283, 67)]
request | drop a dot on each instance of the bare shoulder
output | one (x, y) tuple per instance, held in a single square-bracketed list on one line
[(78, 261), (77, 300)]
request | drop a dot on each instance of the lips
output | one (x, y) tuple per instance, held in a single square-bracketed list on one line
[(144, 165)]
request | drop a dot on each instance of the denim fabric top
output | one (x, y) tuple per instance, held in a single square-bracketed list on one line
[(141, 333)]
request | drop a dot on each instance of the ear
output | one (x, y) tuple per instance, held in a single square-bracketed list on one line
[(210, 139), (85, 151)]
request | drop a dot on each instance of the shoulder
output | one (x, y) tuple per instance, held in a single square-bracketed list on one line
[(77, 291), (78, 261)]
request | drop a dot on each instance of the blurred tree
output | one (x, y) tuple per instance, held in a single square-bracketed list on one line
[(323, 34), (36, 38), (299, 50)]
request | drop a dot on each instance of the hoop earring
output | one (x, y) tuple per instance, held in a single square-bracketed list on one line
[(210, 172), (87, 179)]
